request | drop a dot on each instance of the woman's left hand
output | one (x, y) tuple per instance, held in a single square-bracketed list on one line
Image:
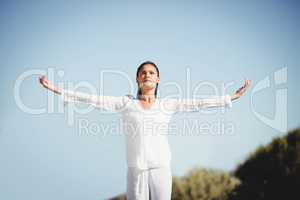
[(241, 90)]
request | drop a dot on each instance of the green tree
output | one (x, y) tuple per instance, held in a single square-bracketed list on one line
[(272, 171), (204, 184), (200, 184)]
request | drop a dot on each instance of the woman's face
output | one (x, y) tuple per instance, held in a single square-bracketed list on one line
[(148, 77)]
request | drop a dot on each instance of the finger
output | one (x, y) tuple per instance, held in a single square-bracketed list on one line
[(41, 80), (248, 83)]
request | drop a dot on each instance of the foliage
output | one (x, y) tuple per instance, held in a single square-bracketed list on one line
[(272, 171)]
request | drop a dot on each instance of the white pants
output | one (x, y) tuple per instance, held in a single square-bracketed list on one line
[(154, 183)]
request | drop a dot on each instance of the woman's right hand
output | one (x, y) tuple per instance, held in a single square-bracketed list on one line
[(45, 83)]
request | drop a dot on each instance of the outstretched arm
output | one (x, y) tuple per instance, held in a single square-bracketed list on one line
[(191, 105), (108, 103)]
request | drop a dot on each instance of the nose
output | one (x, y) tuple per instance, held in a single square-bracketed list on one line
[(148, 75)]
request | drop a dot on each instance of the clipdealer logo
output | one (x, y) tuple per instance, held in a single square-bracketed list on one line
[(279, 120)]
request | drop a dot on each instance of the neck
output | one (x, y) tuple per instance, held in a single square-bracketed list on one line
[(148, 96)]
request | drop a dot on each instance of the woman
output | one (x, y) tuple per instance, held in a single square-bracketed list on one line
[(148, 153)]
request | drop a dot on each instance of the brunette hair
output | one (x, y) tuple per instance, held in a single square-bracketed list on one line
[(140, 68)]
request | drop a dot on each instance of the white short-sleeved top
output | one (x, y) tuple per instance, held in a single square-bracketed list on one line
[(146, 129)]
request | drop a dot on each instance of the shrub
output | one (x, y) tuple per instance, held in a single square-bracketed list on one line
[(272, 171)]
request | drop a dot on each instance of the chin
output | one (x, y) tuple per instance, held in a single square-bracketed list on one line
[(149, 85)]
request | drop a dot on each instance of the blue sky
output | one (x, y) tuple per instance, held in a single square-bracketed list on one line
[(42, 157)]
